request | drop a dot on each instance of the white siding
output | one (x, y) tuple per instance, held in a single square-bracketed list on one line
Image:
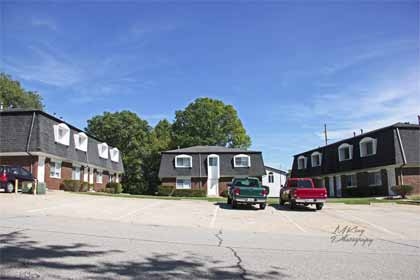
[(279, 179)]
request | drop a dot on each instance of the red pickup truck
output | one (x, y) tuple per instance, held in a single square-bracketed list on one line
[(302, 191)]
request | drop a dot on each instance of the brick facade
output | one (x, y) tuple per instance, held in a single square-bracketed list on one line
[(411, 176)]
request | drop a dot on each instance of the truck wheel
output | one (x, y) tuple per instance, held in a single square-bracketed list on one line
[(262, 206), (281, 201), (319, 206), (292, 204), (9, 187), (234, 204), (229, 200)]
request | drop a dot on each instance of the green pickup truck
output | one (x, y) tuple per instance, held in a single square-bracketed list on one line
[(247, 191)]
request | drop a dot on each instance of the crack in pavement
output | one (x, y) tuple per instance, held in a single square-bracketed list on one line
[(219, 237), (235, 254), (238, 263)]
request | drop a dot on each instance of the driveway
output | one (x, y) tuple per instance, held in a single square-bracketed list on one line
[(73, 236)]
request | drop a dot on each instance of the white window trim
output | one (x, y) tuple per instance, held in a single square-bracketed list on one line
[(183, 178), (352, 186), (270, 174), (367, 140), (65, 140), (239, 156), (312, 159), (182, 166), (115, 154), (77, 137), (342, 146), (213, 156), (103, 153), (305, 161), (98, 171), (54, 162), (73, 173), (380, 174)]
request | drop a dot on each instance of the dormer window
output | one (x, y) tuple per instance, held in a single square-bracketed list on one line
[(241, 161), (183, 161), (367, 147), (103, 150), (302, 160), (62, 134), (81, 141), (345, 152), (316, 159), (115, 154)]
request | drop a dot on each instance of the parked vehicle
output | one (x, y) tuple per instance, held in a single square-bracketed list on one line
[(302, 191), (8, 175), (247, 191)]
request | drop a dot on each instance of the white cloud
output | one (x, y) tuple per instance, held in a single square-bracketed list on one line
[(44, 23)]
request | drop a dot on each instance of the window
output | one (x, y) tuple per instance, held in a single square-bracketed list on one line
[(115, 155), (212, 161), (301, 162), (99, 177), (103, 150), (183, 183), (81, 141), (55, 169), (345, 152), (367, 147), (241, 161), (270, 177), (374, 178), (183, 161), (25, 172), (75, 174), (303, 184), (62, 134), (316, 159), (351, 181)]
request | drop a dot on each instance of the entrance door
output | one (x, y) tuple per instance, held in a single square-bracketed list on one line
[(213, 174), (338, 184), (331, 186)]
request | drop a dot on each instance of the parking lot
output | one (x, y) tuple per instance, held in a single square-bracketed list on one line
[(75, 236)]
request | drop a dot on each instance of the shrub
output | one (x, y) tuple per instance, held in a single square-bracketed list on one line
[(71, 185), (189, 193), (41, 188), (109, 190), (224, 193), (84, 187), (27, 188), (165, 190), (116, 187), (402, 190)]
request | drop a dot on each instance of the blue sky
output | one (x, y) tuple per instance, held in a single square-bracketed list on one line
[(287, 67)]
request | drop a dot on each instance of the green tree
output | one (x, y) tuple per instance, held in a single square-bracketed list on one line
[(209, 122), (160, 140), (131, 135), (12, 94)]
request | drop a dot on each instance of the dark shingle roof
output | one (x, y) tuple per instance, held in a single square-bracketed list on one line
[(17, 124), (209, 149), (199, 162), (395, 125), (275, 170)]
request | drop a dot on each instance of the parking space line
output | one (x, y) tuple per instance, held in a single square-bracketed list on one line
[(372, 225), (49, 208), (292, 222), (138, 210), (213, 218)]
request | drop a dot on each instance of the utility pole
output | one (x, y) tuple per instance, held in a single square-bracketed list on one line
[(325, 134)]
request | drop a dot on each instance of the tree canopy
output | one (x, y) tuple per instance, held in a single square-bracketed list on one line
[(12, 94), (208, 121), (131, 135)]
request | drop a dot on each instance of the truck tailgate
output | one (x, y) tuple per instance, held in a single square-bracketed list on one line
[(310, 193), (251, 192)]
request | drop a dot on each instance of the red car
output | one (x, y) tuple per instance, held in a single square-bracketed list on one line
[(302, 191)]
